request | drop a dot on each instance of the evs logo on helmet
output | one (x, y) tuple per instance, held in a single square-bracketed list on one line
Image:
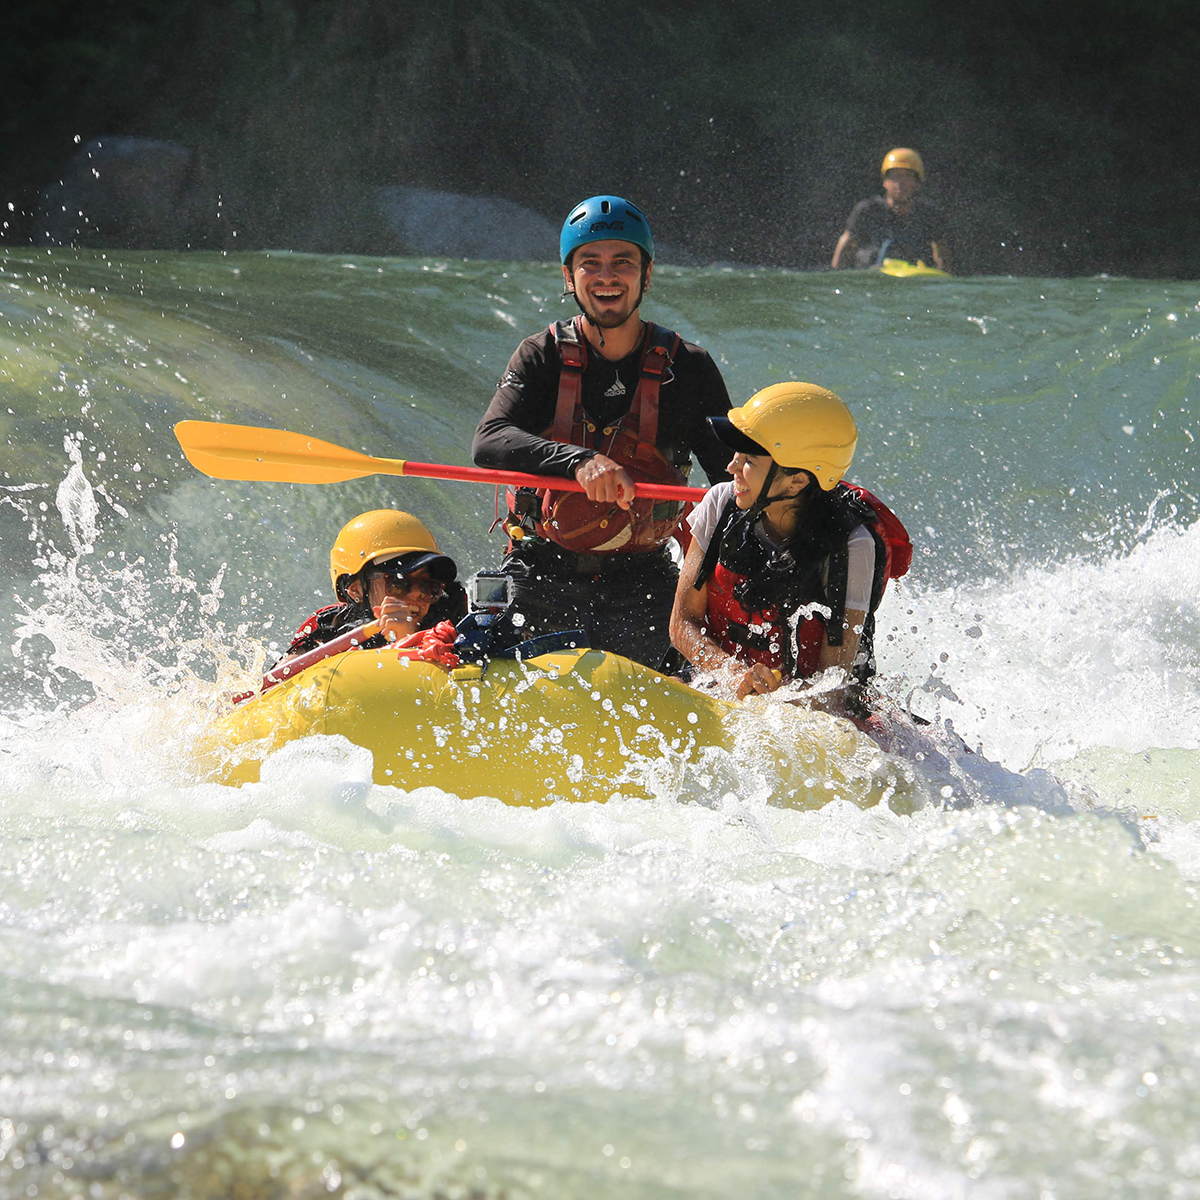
[(612, 226)]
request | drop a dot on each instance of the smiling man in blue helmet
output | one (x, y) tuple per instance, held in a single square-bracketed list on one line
[(606, 399)]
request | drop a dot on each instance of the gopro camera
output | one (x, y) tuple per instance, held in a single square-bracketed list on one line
[(490, 591)]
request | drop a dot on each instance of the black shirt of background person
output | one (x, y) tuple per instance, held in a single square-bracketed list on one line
[(872, 224)]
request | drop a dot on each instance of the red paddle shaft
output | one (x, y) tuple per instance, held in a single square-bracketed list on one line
[(654, 491), (293, 666)]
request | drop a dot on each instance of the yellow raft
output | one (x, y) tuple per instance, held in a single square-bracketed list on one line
[(906, 270), (571, 725)]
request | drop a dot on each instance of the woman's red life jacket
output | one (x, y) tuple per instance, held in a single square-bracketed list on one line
[(764, 636), (570, 519)]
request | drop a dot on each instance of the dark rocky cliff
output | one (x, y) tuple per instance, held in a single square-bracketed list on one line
[(1062, 139)]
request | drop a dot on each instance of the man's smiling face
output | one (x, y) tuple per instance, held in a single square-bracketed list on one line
[(607, 280)]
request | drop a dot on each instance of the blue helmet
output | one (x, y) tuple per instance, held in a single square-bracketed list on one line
[(604, 218)]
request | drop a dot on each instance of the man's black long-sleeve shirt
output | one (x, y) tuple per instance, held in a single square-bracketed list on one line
[(510, 435)]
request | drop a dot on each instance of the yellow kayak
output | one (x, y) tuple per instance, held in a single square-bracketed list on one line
[(906, 270), (570, 725)]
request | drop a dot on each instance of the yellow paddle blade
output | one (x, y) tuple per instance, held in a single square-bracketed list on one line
[(274, 455)]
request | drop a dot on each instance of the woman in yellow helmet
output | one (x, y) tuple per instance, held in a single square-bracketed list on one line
[(787, 562), (384, 565)]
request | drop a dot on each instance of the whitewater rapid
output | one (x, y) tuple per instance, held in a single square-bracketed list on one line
[(317, 985)]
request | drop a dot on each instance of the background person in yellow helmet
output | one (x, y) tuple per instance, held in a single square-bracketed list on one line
[(384, 564), (787, 563), (896, 224)]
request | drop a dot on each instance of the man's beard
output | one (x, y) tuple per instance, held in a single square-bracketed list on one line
[(608, 320), (611, 320)]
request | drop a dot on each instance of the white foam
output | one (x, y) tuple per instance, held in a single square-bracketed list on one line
[(1059, 659)]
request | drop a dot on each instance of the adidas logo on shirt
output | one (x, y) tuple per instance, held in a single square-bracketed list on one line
[(617, 389)]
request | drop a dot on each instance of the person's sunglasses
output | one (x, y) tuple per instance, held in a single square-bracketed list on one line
[(432, 589)]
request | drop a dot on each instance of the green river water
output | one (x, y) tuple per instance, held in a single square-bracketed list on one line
[(317, 986)]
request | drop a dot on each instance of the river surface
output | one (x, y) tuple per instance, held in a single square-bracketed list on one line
[(317, 986)]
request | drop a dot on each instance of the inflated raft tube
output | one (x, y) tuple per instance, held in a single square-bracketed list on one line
[(571, 725), (906, 270)]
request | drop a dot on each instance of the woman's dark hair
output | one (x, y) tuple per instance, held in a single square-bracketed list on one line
[(821, 525)]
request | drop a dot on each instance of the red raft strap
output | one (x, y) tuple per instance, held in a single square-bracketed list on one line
[(434, 645)]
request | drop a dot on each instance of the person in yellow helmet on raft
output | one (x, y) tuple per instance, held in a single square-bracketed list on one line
[(896, 224), (788, 562), (385, 566)]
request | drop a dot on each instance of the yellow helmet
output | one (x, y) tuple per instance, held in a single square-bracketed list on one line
[(383, 534), (903, 159), (799, 425)]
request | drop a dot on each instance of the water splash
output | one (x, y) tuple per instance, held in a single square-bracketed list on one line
[(314, 984)]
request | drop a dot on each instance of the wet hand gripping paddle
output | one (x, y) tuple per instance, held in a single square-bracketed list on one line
[(249, 452)]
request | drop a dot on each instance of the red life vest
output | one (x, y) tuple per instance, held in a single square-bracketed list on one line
[(761, 636), (570, 519), (764, 636)]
